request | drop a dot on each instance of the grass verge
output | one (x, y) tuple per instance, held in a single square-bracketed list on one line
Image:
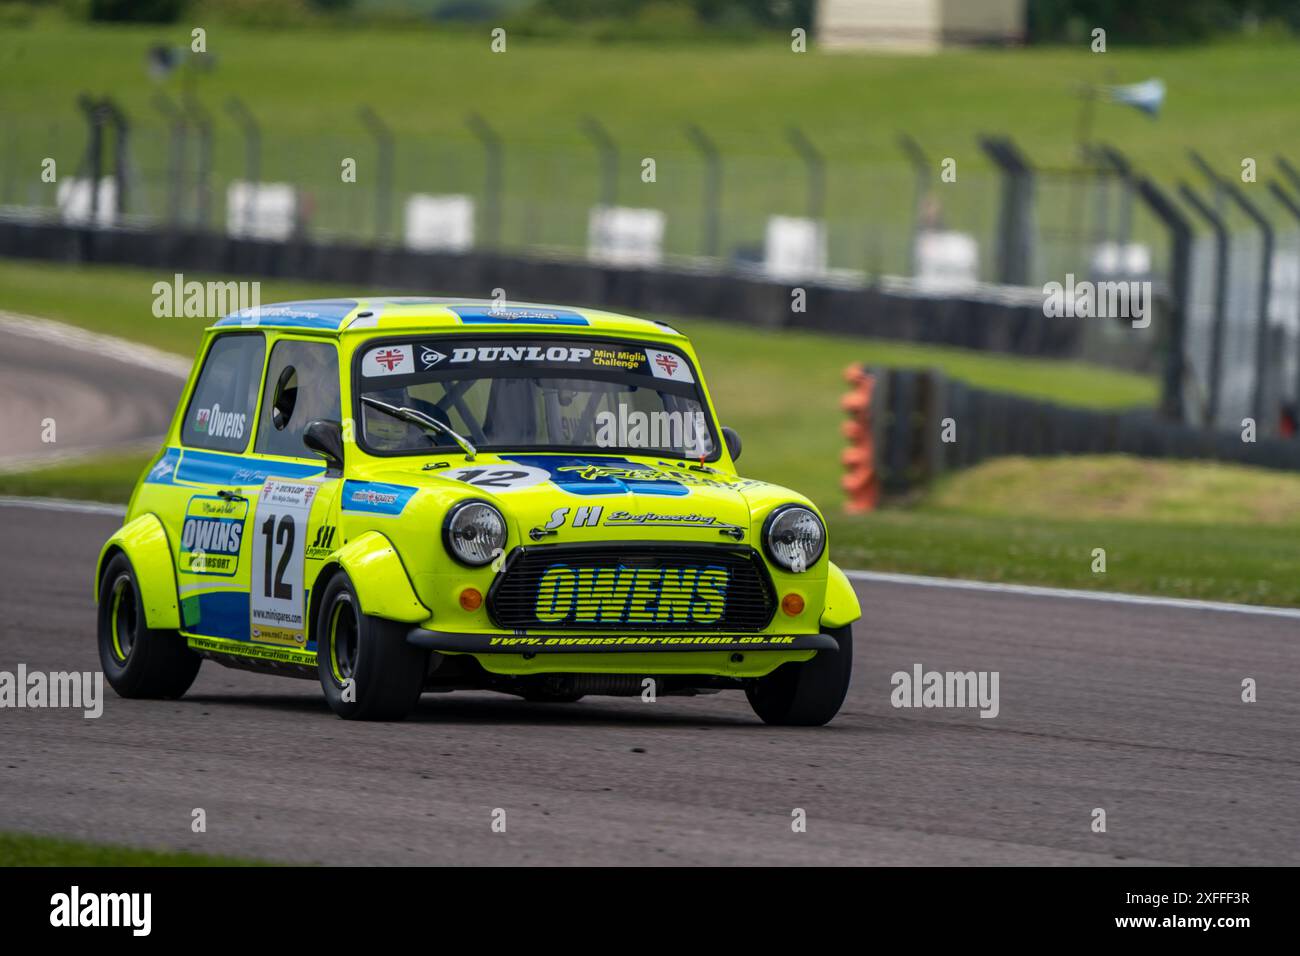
[(27, 850)]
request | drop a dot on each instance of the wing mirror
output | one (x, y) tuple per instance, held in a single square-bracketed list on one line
[(325, 438), (732, 439)]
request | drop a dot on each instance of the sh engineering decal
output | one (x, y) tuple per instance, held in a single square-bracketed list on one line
[(625, 595)]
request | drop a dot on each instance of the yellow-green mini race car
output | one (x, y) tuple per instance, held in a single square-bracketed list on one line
[(404, 495)]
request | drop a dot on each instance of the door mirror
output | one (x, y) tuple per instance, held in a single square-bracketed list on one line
[(733, 442), (325, 438)]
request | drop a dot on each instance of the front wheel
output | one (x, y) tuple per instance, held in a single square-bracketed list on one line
[(807, 693), (367, 669), (139, 662)]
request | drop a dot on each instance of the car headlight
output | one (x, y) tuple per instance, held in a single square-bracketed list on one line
[(474, 532), (794, 537)]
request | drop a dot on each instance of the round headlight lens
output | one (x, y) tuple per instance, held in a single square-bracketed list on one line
[(794, 537), (474, 532)]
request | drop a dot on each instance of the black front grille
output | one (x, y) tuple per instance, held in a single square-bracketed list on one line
[(633, 587)]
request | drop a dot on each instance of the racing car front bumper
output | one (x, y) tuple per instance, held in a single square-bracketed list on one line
[(529, 644)]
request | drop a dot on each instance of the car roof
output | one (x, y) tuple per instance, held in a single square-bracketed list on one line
[(414, 314)]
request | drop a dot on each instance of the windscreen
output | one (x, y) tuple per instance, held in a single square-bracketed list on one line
[(531, 393)]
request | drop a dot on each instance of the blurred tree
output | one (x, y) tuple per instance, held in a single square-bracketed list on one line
[(1152, 21)]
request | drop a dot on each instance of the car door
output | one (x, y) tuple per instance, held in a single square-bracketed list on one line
[(209, 484), (295, 517)]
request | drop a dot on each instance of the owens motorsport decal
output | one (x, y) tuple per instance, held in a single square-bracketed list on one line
[(375, 497), (623, 595), (276, 586), (211, 535), (492, 315)]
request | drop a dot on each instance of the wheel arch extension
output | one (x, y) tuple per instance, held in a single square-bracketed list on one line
[(378, 576), (841, 605), (144, 542)]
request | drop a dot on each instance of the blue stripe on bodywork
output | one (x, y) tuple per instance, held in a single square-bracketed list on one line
[(521, 315), (317, 314), (226, 614), (189, 466), (376, 497)]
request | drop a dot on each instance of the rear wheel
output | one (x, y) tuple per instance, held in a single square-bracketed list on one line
[(139, 662), (367, 669), (808, 693)]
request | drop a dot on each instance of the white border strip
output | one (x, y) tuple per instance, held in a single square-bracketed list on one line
[(62, 504), (1109, 597)]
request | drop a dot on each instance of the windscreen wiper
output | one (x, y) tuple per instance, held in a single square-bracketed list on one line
[(416, 417)]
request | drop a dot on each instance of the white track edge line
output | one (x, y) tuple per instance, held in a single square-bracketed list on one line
[(62, 504), (876, 577), (1110, 597), (74, 337)]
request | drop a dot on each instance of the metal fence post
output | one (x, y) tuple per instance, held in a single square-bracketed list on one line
[(176, 159), (608, 152), (815, 164), (1015, 217), (201, 120), (1219, 328), (922, 169), (712, 200), (1292, 206), (1233, 192), (383, 170), (94, 161), (248, 125), (492, 177)]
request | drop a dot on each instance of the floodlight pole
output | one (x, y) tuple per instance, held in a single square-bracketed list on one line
[(179, 131), (248, 125)]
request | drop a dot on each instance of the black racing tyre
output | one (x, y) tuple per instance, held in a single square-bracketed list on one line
[(386, 673), (807, 693), (138, 661)]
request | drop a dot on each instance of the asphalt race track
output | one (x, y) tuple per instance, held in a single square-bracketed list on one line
[(1128, 707)]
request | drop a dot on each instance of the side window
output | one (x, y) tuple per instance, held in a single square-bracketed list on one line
[(220, 415), (302, 385)]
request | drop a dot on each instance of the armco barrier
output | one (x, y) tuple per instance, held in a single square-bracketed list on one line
[(992, 323), (911, 409)]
